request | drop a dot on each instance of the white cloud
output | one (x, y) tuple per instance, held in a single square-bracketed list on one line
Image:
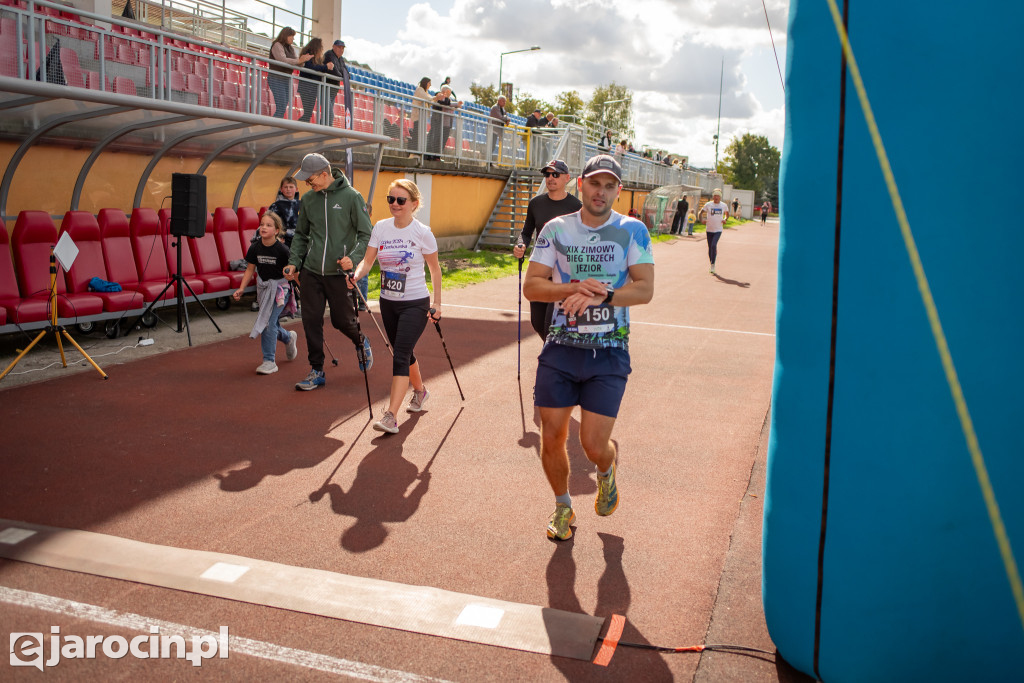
[(668, 52)]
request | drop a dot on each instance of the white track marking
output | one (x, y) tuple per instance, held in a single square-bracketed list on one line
[(239, 645)]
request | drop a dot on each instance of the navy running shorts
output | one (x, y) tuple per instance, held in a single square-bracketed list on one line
[(594, 379)]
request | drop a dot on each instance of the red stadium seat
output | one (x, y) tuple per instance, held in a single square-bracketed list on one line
[(225, 232), (119, 254), (82, 227), (14, 309), (151, 247), (248, 224), (124, 85), (33, 237), (207, 260), (188, 267)]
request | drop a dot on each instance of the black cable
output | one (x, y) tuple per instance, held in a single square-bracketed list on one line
[(721, 647), (781, 79), (832, 352)]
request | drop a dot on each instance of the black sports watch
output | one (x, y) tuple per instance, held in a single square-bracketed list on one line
[(608, 299)]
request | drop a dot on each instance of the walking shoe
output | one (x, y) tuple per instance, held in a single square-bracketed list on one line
[(607, 494), (292, 348), (267, 367), (387, 423), (255, 306), (559, 525), (314, 379), (712, 271), (417, 400), (368, 354)]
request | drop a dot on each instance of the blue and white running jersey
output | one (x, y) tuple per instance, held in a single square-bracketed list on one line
[(575, 252)]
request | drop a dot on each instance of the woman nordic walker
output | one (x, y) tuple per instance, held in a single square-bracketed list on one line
[(267, 257), (401, 244), (716, 212), (600, 263)]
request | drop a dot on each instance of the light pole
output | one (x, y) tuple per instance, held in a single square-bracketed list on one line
[(501, 64), (607, 102)]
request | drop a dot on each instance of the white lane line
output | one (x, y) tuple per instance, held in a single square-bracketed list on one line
[(634, 322), (245, 646)]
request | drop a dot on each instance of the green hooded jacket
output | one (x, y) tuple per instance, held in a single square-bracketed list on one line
[(332, 223)]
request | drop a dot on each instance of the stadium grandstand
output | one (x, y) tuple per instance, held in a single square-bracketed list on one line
[(99, 110)]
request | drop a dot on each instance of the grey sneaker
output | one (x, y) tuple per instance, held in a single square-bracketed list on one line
[(387, 423), (255, 306), (292, 349), (267, 367), (419, 398)]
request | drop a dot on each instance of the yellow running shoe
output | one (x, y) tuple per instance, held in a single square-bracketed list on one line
[(607, 494), (559, 524)]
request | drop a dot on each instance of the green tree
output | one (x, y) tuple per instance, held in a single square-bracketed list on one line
[(605, 108), (525, 104), (570, 103), (486, 95), (751, 163)]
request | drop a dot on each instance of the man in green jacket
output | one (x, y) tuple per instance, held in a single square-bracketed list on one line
[(331, 235)]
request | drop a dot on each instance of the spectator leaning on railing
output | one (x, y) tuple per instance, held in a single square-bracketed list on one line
[(334, 60), (282, 50), (312, 75)]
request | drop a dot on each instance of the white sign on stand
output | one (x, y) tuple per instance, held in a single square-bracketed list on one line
[(66, 251)]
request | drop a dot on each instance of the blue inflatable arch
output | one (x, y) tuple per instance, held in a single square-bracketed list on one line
[(881, 561)]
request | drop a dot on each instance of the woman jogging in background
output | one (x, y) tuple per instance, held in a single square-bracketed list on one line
[(401, 244)]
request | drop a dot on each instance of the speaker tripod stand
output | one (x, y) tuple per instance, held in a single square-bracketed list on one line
[(54, 327), (182, 284)]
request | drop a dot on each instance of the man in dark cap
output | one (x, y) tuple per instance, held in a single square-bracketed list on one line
[(337, 72)]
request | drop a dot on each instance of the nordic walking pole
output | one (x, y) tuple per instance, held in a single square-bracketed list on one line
[(519, 317), (437, 326), (360, 344), (377, 324)]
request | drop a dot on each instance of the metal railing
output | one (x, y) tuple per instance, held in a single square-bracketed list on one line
[(162, 65)]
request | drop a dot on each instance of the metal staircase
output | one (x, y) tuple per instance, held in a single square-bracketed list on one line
[(506, 220)]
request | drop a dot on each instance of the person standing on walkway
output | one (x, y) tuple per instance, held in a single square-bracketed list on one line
[(331, 234), (541, 209), (679, 220), (715, 214), (401, 244), (600, 263)]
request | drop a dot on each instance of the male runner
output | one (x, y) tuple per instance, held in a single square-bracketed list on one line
[(540, 210), (716, 213), (600, 263)]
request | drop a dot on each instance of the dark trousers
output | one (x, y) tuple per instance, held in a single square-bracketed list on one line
[(404, 322), (281, 89), (316, 292), (713, 238), (308, 91)]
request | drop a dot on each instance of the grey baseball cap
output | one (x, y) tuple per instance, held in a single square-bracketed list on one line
[(311, 165), (603, 163)]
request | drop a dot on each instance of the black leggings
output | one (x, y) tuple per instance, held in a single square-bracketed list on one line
[(404, 322)]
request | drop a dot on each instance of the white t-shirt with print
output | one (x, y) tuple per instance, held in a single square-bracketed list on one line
[(400, 255), (715, 216)]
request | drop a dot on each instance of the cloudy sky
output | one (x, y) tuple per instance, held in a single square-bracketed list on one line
[(668, 52)]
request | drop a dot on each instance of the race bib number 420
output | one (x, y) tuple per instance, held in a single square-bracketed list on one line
[(593, 320), (393, 283)]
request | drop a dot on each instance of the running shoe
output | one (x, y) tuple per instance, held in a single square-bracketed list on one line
[(292, 350), (559, 526), (607, 494), (314, 379), (387, 423), (418, 399), (267, 367), (368, 354), (712, 269)]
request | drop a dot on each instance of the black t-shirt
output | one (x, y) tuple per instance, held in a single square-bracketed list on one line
[(542, 209), (269, 261), (682, 207)]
